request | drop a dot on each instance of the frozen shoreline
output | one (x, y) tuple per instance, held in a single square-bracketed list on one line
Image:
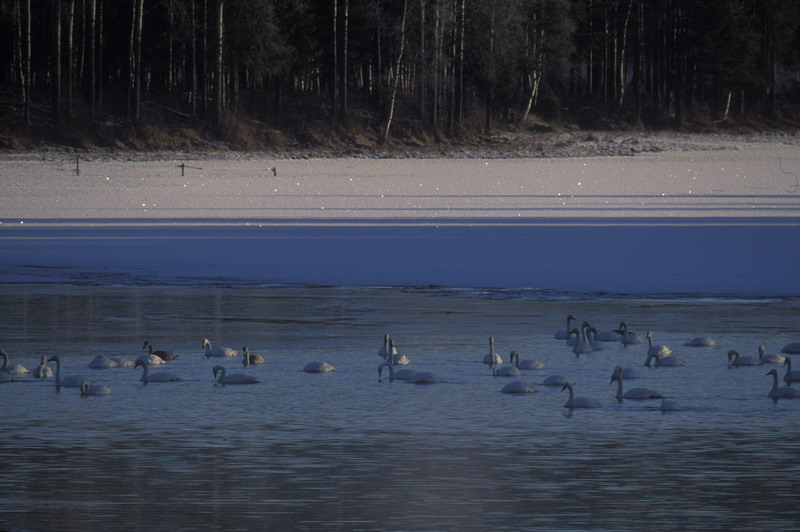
[(720, 219)]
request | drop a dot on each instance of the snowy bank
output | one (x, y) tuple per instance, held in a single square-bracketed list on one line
[(715, 222)]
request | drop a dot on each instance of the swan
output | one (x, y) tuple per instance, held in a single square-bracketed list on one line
[(627, 337), (633, 393), (101, 362), (785, 392), (670, 405), (233, 378), (397, 359), (563, 334), (248, 359), (555, 380), (161, 376), (525, 364), (742, 360), (382, 352), (163, 355), (399, 375), (582, 345), (658, 350), (217, 351), (123, 362), (423, 377), (627, 373), (43, 372), (318, 367), (73, 381), (791, 376), (791, 349), (609, 336), (518, 387), (150, 360), (701, 341), (670, 361), (769, 359), (94, 389), (492, 357), (591, 336), (12, 369), (578, 402), (506, 371)]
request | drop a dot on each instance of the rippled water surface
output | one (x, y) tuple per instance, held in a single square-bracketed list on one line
[(345, 451)]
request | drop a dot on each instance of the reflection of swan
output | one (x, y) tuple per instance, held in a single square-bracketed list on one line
[(73, 381), (525, 364), (518, 387), (160, 376), (12, 369), (633, 393), (769, 359), (94, 389), (149, 360), (791, 349), (506, 371), (791, 376), (385, 348), (627, 373), (701, 341), (555, 380), (248, 359), (669, 405), (233, 378), (742, 360), (217, 351), (163, 355), (318, 367), (658, 350), (578, 402), (628, 337), (563, 334), (43, 372), (786, 392), (670, 361), (492, 357), (101, 362)]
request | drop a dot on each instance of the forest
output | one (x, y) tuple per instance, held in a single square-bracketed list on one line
[(275, 73)]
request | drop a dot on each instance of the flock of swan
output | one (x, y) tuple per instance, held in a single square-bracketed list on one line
[(582, 340)]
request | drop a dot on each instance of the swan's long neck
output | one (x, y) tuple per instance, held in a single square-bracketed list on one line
[(569, 320), (515, 359), (246, 356), (761, 351), (619, 385), (5, 360), (647, 362), (650, 340), (390, 353), (774, 383), (391, 370), (221, 374), (571, 393)]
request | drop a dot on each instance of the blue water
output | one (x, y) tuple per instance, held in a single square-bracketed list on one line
[(346, 451)]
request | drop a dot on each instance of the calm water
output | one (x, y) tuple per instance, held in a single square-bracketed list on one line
[(345, 451)]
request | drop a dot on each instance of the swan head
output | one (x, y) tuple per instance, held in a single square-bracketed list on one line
[(218, 369), (570, 317), (139, 363), (772, 372), (616, 376), (761, 351), (53, 358), (649, 335), (733, 353), (567, 386), (147, 344), (787, 361), (206, 342)]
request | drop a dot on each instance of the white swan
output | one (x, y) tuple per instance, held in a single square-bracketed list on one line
[(233, 378), (160, 376), (670, 361), (658, 350), (73, 381), (738, 360), (785, 392), (582, 345), (555, 380), (670, 405), (492, 357), (248, 359), (608, 336), (628, 337), (12, 369), (525, 364), (43, 372), (633, 393), (579, 402), (774, 358), (318, 367), (701, 341), (101, 362), (399, 375), (591, 336), (149, 360), (791, 349), (94, 389), (563, 334), (791, 376), (518, 387), (163, 355), (217, 351), (627, 373), (397, 359), (506, 371), (385, 349), (423, 377), (123, 362)]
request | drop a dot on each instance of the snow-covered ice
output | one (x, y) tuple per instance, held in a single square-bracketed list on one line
[(716, 222)]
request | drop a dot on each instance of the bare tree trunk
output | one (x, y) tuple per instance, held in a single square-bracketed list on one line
[(194, 57), (334, 88), (56, 62), (220, 57), (100, 42), (396, 79), (137, 95), (622, 70), (343, 77), (422, 65), (70, 55), (92, 72), (26, 84)]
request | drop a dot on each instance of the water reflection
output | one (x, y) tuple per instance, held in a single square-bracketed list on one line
[(346, 451)]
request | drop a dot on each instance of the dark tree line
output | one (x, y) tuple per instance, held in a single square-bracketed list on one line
[(440, 62)]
